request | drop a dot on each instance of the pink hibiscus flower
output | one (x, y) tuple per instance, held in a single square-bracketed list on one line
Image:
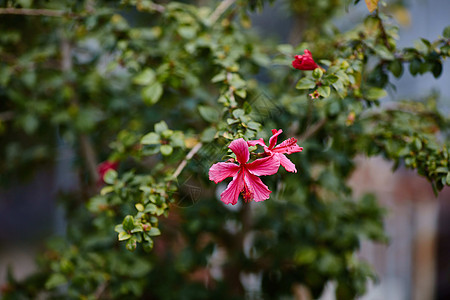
[(305, 62), (277, 152), (245, 175)]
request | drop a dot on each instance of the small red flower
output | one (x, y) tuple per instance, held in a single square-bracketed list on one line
[(105, 167), (314, 95), (305, 62), (350, 118)]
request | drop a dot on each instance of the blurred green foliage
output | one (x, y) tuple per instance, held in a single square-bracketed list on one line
[(163, 88)]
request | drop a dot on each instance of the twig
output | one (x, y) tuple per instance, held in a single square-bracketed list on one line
[(100, 289), (89, 155), (87, 150), (153, 6), (383, 32), (191, 154), (158, 7), (312, 130), (35, 12), (230, 88), (220, 10)]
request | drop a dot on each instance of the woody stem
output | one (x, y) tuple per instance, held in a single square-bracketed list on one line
[(191, 154)]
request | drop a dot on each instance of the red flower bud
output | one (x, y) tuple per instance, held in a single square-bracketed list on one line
[(105, 167), (305, 62)]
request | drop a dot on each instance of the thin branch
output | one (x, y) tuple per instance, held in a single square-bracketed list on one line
[(14, 62), (34, 12), (150, 7), (310, 131), (158, 7), (89, 155), (87, 150), (100, 289), (230, 89), (191, 154), (223, 6), (383, 32)]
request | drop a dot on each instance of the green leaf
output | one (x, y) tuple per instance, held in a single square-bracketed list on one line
[(209, 114), (330, 79), (186, 31), (131, 245), (110, 176), (237, 113), (30, 123), (150, 208), (446, 32), (106, 190), (151, 139), (375, 93), (219, 77), (441, 170), (137, 228), (152, 93), (123, 236), (166, 150), (437, 69), (119, 228), (241, 93), (254, 125), (147, 245), (339, 87), (305, 83), (166, 134), (56, 279), (237, 82), (208, 135), (154, 231), (383, 52), (414, 66), (417, 144), (317, 73), (177, 139), (324, 91), (231, 121), (128, 223), (25, 3), (139, 207), (396, 68), (160, 127), (145, 77)]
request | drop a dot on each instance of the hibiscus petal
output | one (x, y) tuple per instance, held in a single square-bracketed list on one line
[(288, 146), (286, 163), (256, 142), (263, 166), (307, 53), (240, 148), (222, 170), (259, 190), (231, 194), (273, 138)]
